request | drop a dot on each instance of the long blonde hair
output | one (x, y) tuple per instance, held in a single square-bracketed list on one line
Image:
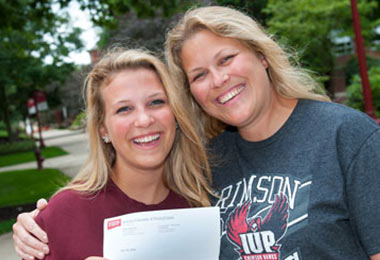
[(288, 81), (187, 171)]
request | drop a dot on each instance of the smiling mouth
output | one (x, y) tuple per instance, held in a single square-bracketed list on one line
[(230, 95), (146, 139)]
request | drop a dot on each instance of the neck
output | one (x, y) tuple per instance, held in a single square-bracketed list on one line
[(273, 117), (146, 186)]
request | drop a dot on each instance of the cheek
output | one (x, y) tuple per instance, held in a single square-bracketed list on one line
[(199, 92), (120, 126), (167, 117), (243, 66)]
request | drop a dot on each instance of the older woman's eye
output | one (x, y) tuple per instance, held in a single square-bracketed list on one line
[(226, 59), (198, 76)]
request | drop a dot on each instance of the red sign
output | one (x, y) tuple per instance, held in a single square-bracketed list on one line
[(40, 98)]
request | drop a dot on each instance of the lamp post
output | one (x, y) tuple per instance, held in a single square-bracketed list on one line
[(367, 94)]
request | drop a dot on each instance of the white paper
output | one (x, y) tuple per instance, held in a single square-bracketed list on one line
[(178, 234)]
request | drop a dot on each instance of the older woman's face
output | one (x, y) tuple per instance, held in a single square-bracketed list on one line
[(138, 119), (226, 78)]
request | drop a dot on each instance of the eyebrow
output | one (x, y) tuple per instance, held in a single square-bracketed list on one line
[(156, 94), (214, 57)]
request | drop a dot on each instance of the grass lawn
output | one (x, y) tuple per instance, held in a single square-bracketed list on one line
[(16, 158), (27, 186)]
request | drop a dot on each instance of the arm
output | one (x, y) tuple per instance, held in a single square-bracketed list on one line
[(363, 193), (29, 239)]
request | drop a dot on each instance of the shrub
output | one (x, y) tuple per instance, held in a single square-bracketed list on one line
[(79, 121), (355, 92), (25, 145)]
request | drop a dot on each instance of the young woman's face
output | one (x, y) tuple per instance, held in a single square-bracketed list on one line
[(226, 78), (138, 119)]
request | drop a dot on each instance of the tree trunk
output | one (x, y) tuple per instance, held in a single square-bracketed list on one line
[(7, 120)]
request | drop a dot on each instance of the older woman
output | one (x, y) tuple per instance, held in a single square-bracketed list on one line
[(299, 175), (296, 174)]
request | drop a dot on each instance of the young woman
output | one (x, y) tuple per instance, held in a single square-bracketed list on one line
[(138, 158), (296, 174)]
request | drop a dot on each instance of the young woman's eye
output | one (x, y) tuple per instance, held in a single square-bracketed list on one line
[(157, 102), (123, 109)]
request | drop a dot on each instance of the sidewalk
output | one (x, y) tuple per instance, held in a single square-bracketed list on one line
[(72, 141)]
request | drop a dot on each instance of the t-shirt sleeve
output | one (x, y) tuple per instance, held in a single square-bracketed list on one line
[(363, 193), (56, 220)]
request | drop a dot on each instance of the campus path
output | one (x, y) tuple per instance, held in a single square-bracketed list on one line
[(73, 142)]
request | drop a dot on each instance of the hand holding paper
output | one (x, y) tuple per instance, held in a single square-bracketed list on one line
[(185, 234)]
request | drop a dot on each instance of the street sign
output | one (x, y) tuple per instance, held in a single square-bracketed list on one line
[(40, 99)]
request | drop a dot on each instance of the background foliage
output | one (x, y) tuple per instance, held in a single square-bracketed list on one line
[(30, 32), (355, 94)]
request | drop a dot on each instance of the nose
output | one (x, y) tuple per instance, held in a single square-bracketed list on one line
[(219, 77), (143, 119)]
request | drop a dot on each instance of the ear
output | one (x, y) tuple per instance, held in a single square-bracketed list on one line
[(263, 60), (103, 131)]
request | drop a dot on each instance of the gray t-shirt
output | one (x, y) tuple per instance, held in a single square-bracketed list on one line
[(310, 191)]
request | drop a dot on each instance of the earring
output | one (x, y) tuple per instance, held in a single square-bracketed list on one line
[(176, 125), (106, 139)]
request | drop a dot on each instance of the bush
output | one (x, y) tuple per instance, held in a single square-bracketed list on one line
[(355, 92), (26, 145), (79, 121)]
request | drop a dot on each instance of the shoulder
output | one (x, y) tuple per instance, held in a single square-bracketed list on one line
[(344, 119), (64, 204), (332, 110), (65, 198)]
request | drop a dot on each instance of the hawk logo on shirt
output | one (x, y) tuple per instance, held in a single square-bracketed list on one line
[(257, 238)]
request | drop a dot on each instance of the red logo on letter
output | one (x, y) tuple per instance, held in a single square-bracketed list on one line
[(113, 223)]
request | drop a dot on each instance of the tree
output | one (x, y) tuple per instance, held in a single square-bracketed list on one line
[(311, 26), (355, 93), (139, 23), (28, 35), (255, 8)]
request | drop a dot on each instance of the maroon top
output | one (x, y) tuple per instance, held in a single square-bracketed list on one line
[(74, 222)]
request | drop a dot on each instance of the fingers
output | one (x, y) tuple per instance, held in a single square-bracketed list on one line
[(26, 252), (41, 204), (26, 224), (25, 244)]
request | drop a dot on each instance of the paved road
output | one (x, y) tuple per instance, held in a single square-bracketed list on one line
[(75, 143)]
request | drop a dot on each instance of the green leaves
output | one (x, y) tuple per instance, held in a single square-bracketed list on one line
[(355, 92), (311, 26), (29, 33)]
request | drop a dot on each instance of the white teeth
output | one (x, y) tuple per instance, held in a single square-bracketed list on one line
[(223, 99), (146, 139)]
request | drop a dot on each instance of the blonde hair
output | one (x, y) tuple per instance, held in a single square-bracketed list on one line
[(186, 172), (288, 81)]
